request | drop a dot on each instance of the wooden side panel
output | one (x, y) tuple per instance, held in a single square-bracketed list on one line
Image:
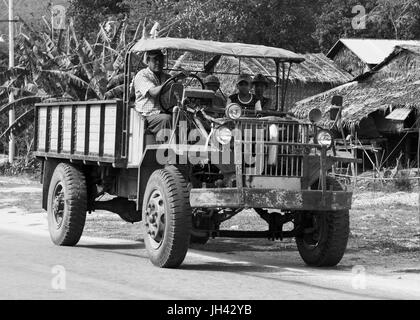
[(67, 129), (42, 128), (94, 129), (54, 129), (136, 138), (110, 130), (80, 129)]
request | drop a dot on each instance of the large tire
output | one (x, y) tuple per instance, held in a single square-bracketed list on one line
[(325, 247), (67, 205), (167, 218)]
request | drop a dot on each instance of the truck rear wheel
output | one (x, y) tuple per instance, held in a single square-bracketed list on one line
[(167, 218), (325, 235), (67, 205)]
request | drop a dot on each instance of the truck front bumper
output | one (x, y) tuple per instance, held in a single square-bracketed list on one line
[(304, 200)]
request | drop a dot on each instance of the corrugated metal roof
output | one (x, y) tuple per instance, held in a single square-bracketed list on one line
[(399, 114), (371, 51)]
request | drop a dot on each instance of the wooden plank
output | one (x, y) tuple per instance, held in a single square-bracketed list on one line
[(36, 127), (67, 124), (80, 129), (79, 103), (109, 128), (60, 129), (54, 126), (42, 125), (94, 129), (80, 157)]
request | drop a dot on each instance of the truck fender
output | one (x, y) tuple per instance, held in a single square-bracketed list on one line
[(147, 167), (47, 173)]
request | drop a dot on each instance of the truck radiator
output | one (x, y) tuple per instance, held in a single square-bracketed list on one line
[(263, 151)]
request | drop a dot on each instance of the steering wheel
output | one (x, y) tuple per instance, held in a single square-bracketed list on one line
[(165, 88)]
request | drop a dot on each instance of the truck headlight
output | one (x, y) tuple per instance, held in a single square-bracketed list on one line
[(324, 138), (234, 111), (223, 135)]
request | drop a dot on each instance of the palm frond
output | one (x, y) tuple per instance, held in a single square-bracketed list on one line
[(22, 102), (66, 76), (116, 81), (20, 124), (117, 92)]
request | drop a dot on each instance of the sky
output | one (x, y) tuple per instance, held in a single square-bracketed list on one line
[(30, 10)]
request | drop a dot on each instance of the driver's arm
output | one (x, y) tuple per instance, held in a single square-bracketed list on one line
[(154, 92)]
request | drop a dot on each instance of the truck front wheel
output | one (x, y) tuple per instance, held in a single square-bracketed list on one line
[(167, 218), (67, 205), (325, 234), (324, 238)]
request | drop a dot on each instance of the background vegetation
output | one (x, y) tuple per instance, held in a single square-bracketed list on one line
[(298, 25)]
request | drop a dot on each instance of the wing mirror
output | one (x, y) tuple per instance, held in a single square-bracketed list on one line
[(315, 115)]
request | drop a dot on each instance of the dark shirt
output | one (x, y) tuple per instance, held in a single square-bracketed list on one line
[(266, 103), (248, 106)]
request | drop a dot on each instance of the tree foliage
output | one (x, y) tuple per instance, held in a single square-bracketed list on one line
[(88, 15)]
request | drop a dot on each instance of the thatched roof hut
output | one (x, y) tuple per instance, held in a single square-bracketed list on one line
[(393, 83), (358, 56)]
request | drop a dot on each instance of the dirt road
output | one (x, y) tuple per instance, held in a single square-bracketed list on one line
[(32, 268)]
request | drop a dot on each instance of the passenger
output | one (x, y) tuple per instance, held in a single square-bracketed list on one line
[(213, 83), (148, 85), (244, 97), (260, 83)]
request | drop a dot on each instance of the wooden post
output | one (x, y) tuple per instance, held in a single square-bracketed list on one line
[(418, 170), (12, 115), (354, 154)]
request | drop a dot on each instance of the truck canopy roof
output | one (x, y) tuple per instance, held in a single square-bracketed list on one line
[(218, 48)]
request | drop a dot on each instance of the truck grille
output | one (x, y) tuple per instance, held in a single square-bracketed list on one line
[(261, 155)]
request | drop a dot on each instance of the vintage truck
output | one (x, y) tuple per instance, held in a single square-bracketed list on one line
[(215, 163)]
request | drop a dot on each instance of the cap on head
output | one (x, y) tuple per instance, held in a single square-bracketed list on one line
[(244, 78), (259, 78), (154, 53), (211, 79)]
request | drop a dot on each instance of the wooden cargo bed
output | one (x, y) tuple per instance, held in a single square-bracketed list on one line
[(88, 131)]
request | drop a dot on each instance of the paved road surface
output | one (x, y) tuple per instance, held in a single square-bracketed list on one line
[(120, 269)]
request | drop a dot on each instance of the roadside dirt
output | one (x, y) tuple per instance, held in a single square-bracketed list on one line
[(385, 229)]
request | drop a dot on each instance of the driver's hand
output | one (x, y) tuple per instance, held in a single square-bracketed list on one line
[(182, 75)]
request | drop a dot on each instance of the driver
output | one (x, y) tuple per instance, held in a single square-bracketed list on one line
[(148, 85)]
